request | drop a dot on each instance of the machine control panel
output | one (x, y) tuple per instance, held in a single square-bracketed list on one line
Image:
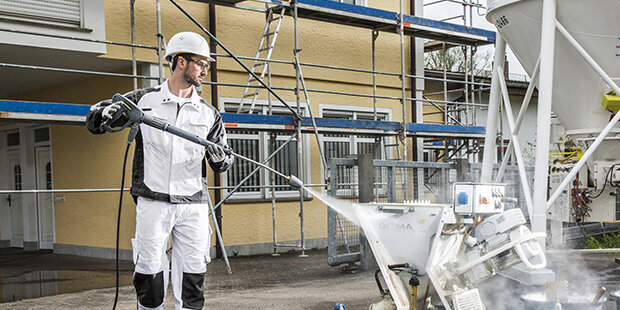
[(479, 198)]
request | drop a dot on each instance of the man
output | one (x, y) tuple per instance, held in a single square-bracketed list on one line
[(169, 177)]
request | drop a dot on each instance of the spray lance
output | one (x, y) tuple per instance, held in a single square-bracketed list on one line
[(130, 115)]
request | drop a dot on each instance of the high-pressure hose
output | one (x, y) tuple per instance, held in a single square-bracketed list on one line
[(133, 117), (118, 222)]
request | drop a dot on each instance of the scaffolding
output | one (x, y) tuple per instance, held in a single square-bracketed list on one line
[(376, 20), (456, 114)]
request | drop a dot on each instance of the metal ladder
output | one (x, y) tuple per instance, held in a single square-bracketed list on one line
[(388, 148), (263, 55)]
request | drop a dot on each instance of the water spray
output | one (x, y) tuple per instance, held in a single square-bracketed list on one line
[(130, 115)]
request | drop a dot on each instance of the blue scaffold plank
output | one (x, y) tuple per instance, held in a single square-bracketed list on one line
[(379, 126), (448, 28), (281, 120), (362, 16), (234, 118), (434, 128), (351, 8), (47, 111), (353, 124), (43, 108), (383, 20), (439, 143)]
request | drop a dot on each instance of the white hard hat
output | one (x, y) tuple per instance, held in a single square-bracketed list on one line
[(187, 42)]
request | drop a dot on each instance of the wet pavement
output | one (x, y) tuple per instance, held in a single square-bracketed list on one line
[(53, 282), (257, 282), (14, 262), (31, 274)]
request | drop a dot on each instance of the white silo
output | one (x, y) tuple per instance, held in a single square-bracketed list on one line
[(577, 88)]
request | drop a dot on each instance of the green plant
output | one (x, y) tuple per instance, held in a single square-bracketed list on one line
[(605, 241)]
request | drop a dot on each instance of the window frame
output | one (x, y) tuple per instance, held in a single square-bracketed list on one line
[(384, 114), (355, 2), (345, 110), (6, 140), (92, 26), (41, 20), (230, 105)]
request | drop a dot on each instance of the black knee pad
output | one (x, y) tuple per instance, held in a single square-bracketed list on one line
[(193, 290), (149, 288)]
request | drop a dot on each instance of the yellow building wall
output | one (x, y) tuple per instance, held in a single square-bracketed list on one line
[(82, 160), (433, 114), (240, 31)]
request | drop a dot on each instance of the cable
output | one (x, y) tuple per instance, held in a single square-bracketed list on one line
[(118, 221), (605, 183)]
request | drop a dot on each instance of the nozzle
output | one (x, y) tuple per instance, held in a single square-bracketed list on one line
[(414, 281), (295, 182)]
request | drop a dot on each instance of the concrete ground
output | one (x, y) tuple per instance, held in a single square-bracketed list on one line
[(258, 282)]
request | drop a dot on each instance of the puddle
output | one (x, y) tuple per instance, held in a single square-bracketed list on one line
[(53, 282)]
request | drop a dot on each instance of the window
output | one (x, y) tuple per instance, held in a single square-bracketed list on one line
[(17, 174), (356, 2), (67, 13), (258, 145), (12, 139), (41, 134), (48, 176), (341, 145), (84, 19)]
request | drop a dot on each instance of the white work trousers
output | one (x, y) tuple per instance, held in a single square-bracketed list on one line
[(188, 224)]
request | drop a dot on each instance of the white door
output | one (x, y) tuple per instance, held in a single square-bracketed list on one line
[(15, 200), (45, 200)]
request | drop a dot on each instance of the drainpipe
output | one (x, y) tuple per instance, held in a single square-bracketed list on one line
[(217, 182)]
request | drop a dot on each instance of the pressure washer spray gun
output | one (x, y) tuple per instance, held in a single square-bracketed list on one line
[(130, 115)]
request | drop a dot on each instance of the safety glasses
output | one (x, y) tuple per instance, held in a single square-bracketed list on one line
[(201, 63)]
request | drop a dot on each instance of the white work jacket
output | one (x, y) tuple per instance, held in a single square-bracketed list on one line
[(167, 167)]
